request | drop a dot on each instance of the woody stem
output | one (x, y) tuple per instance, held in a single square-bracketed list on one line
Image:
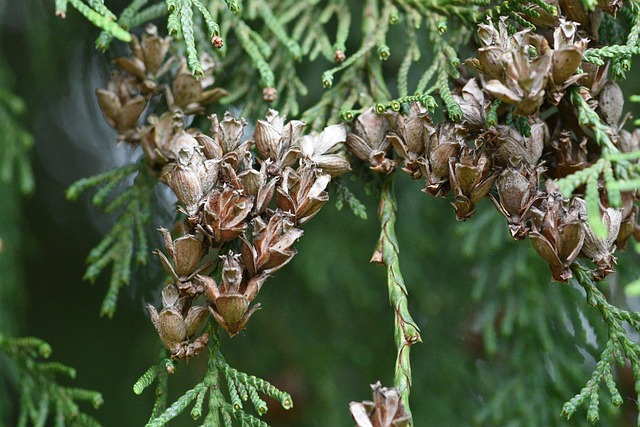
[(406, 332)]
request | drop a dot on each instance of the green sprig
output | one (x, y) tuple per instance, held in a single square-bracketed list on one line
[(243, 32), (342, 32), (279, 31), (618, 346), (345, 195), (406, 331), (101, 17), (17, 142), (146, 380), (453, 108), (327, 76), (41, 397), (127, 238), (595, 55), (240, 386)]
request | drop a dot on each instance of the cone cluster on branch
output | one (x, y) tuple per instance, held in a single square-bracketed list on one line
[(244, 197), (518, 133), (247, 208)]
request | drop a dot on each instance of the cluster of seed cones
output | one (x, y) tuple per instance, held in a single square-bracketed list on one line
[(517, 134), (244, 199), (246, 207)]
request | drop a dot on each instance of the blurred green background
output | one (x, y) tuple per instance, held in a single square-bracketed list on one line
[(498, 350)]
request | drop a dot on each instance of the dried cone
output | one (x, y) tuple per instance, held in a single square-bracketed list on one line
[(600, 250), (410, 136), (185, 252), (191, 177), (225, 213), (386, 409), (323, 150), (302, 192), (518, 193), (368, 140), (444, 144), (272, 246), (230, 303), (559, 237), (277, 141), (175, 327), (471, 178), (121, 103)]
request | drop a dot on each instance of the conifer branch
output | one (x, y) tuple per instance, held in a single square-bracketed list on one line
[(240, 387), (127, 238), (16, 144), (98, 14), (619, 348), (41, 397), (406, 331)]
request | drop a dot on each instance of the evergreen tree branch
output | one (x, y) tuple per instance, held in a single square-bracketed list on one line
[(619, 348), (127, 238), (240, 386), (96, 13), (406, 331), (41, 397)]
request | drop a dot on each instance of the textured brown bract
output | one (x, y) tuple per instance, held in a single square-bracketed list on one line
[(610, 103), (473, 105), (148, 60), (185, 253), (558, 237), (260, 186), (272, 246), (571, 155), (368, 140), (158, 140), (277, 141), (191, 94), (443, 145), (232, 298), (191, 177), (225, 212), (177, 323), (471, 178), (121, 104), (323, 150), (611, 6), (226, 140), (515, 76), (518, 193), (522, 68), (509, 147), (302, 192), (600, 250), (410, 136), (386, 409)]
